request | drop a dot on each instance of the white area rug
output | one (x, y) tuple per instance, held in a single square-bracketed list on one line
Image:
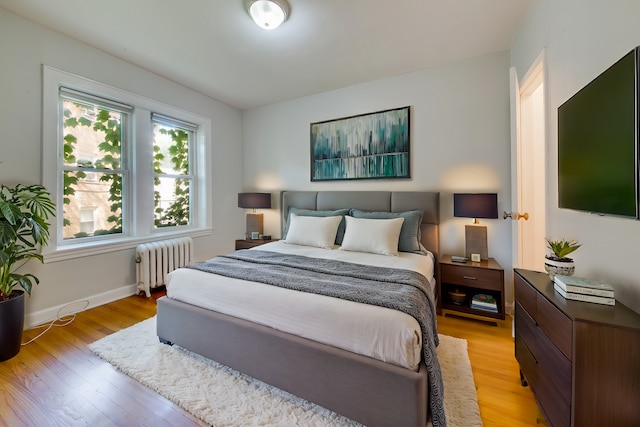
[(224, 397)]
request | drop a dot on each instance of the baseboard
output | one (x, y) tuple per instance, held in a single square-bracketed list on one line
[(509, 308), (47, 315)]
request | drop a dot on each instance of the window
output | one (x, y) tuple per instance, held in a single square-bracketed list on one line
[(122, 168), (88, 220), (172, 174), (94, 131)]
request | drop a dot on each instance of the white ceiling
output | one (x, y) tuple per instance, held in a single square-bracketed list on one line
[(213, 46)]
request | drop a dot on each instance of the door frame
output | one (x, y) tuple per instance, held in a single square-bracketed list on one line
[(533, 78)]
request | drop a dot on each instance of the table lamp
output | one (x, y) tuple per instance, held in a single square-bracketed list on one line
[(479, 205), (255, 220)]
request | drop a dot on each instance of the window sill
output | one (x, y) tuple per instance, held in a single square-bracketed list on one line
[(81, 250)]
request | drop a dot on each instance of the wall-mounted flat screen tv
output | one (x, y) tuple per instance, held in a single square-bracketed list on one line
[(598, 143)]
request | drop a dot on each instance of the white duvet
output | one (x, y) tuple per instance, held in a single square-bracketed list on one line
[(378, 332)]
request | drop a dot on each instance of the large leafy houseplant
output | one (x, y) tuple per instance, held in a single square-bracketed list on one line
[(24, 228)]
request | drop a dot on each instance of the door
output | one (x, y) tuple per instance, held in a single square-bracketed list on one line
[(528, 167)]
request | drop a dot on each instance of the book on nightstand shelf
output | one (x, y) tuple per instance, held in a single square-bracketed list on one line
[(484, 302), (584, 297), (579, 285)]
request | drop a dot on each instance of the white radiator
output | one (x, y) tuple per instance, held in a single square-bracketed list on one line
[(157, 259)]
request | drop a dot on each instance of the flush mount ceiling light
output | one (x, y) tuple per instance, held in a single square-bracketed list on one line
[(268, 14)]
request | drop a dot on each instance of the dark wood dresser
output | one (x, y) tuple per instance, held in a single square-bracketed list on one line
[(581, 360)]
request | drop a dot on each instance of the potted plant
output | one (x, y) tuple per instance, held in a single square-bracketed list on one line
[(24, 212), (559, 262)]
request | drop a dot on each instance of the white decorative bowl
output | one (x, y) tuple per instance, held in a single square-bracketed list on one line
[(553, 267)]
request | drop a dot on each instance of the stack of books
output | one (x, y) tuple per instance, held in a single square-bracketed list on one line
[(580, 289), (484, 302)]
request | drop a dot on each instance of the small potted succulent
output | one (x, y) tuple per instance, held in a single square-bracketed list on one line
[(559, 262)]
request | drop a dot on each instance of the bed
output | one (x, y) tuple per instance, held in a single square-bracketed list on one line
[(371, 389)]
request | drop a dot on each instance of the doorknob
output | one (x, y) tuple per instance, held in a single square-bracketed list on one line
[(515, 215)]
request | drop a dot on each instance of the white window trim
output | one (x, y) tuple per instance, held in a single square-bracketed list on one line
[(141, 224)]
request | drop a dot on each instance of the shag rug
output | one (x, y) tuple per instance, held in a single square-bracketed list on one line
[(223, 397)]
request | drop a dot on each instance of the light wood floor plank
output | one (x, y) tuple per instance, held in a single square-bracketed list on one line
[(57, 381)]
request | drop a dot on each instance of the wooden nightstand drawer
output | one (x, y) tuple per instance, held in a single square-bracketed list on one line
[(248, 244), (473, 277)]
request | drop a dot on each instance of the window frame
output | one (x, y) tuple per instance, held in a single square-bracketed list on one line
[(191, 128), (138, 220), (124, 171)]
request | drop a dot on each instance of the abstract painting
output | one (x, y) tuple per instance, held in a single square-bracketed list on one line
[(367, 146)]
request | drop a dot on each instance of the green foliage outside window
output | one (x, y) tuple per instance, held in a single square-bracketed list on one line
[(177, 212), (95, 132), (106, 125)]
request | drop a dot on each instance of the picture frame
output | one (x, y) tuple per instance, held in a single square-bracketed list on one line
[(367, 146)]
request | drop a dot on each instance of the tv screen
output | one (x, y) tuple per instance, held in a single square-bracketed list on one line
[(597, 140)]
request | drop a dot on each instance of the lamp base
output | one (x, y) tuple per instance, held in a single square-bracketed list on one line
[(255, 223), (476, 241)]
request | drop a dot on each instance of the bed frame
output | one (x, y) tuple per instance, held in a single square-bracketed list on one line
[(366, 390)]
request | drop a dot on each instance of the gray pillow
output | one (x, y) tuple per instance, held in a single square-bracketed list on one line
[(409, 234), (311, 212)]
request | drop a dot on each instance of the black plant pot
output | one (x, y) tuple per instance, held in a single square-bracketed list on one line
[(11, 325)]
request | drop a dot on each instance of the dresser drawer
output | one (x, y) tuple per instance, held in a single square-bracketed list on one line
[(527, 362), (555, 365), (474, 277), (526, 329), (555, 408), (555, 325), (525, 295)]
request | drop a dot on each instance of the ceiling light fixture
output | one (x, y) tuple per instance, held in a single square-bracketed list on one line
[(268, 14)]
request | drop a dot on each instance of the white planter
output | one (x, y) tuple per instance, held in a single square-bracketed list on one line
[(553, 267)]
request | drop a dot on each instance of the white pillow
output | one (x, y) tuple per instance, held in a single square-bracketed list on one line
[(312, 230), (377, 236)]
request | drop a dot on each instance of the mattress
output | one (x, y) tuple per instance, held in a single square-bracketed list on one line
[(381, 333)]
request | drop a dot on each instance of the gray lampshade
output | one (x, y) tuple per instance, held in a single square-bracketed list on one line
[(254, 200), (478, 205)]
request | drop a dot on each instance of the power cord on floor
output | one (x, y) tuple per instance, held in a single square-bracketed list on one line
[(60, 320)]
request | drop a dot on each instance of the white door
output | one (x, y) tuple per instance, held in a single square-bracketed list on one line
[(528, 167)]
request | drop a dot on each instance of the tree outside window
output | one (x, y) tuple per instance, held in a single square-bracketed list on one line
[(172, 172), (92, 168), (122, 168)]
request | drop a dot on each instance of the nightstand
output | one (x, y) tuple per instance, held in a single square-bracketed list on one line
[(251, 243), (471, 278)]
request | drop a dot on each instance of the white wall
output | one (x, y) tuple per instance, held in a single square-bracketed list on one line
[(24, 46), (582, 39), (459, 142)]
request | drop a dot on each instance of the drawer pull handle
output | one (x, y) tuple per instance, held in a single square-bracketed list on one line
[(470, 277)]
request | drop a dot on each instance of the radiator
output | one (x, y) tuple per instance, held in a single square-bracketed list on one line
[(157, 259)]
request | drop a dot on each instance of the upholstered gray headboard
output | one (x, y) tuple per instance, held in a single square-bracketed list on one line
[(386, 201)]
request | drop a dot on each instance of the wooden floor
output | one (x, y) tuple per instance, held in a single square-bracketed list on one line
[(57, 381)]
